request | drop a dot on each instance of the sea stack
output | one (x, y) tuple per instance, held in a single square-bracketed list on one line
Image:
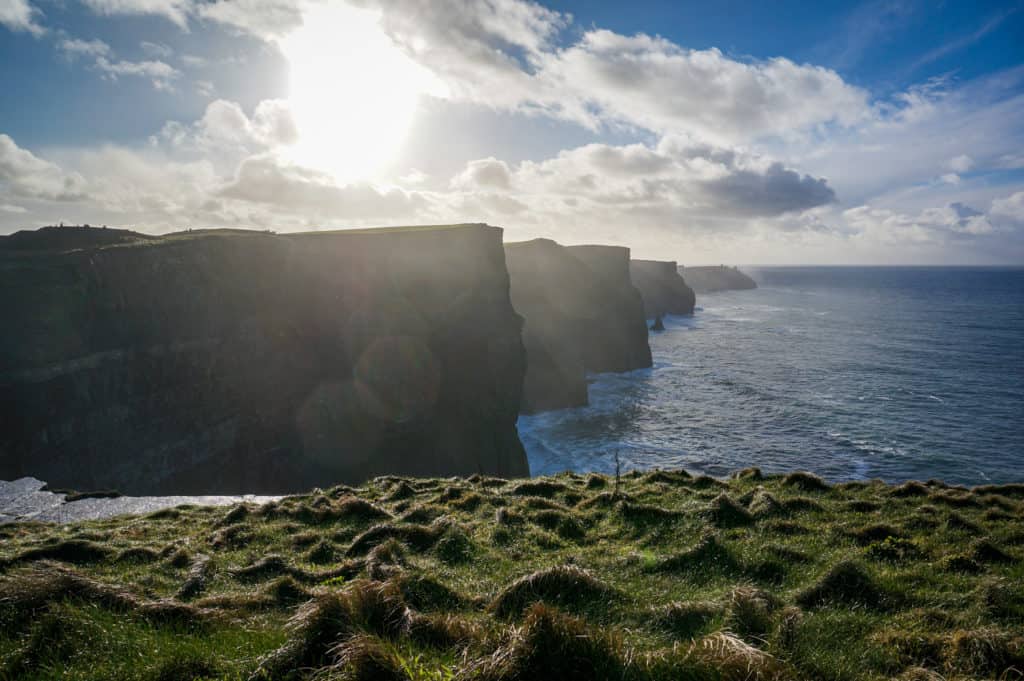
[(581, 313), (716, 278), (230, 362), (662, 288)]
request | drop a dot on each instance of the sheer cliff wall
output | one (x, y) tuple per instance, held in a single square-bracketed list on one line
[(223, 362), (662, 289), (617, 337), (581, 314)]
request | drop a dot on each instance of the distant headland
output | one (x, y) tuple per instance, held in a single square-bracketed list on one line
[(716, 278)]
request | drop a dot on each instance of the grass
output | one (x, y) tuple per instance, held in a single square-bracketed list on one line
[(664, 576)]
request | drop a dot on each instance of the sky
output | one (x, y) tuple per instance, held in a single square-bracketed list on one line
[(879, 132)]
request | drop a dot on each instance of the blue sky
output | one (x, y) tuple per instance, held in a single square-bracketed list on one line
[(786, 132)]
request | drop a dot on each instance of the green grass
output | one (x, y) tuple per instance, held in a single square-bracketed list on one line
[(673, 577)]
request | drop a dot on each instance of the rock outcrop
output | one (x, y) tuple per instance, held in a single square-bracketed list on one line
[(661, 287), (580, 315), (716, 278), (231, 362)]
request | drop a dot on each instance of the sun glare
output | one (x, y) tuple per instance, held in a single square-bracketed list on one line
[(353, 92)]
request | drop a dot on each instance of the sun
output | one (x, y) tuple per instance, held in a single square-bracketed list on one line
[(352, 91)]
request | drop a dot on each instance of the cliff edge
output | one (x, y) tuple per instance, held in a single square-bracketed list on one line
[(716, 278), (662, 289), (251, 362)]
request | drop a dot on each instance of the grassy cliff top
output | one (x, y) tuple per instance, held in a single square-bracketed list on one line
[(73, 238), (661, 576)]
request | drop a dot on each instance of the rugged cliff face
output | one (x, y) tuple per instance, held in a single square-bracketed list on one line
[(247, 362), (662, 289), (551, 290), (616, 337), (580, 315), (716, 278)]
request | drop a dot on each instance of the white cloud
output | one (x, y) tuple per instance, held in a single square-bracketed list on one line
[(655, 84), (484, 173), (960, 164), (19, 15), (1010, 210), (678, 178), (103, 60), (266, 19), (267, 179), (23, 174), (160, 73), (74, 48), (502, 54), (946, 128), (954, 221), (193, 62), (156, 50), (225, 126), (10, 208), (176, 11)]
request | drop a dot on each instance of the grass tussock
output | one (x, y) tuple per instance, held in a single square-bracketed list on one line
[(418, 537), (725, 512), (552, 645), (30, 592), (709, 555), (539, 488), (730, 658), (566, 586), (750, 612), (199, 575), (763, 504), (752, 473), (685, 620), (72, 551), (805, 481), (675, 477), (912, 488), (846, 583), (363, 658), (877, 532), (139, 555)]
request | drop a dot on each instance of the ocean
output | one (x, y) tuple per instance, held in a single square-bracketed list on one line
[(896, 373)]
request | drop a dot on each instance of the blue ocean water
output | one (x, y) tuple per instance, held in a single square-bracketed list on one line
[(852, 372)]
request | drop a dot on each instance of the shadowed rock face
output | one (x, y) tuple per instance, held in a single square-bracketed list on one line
[(226, 362), (580, 315), (616, 338), (716, 278), (662, 289)]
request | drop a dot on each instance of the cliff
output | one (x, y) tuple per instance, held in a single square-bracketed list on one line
[(716, 278), (580, 314), (551, 290), (250, 362), (617, 333), (662, 289)]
